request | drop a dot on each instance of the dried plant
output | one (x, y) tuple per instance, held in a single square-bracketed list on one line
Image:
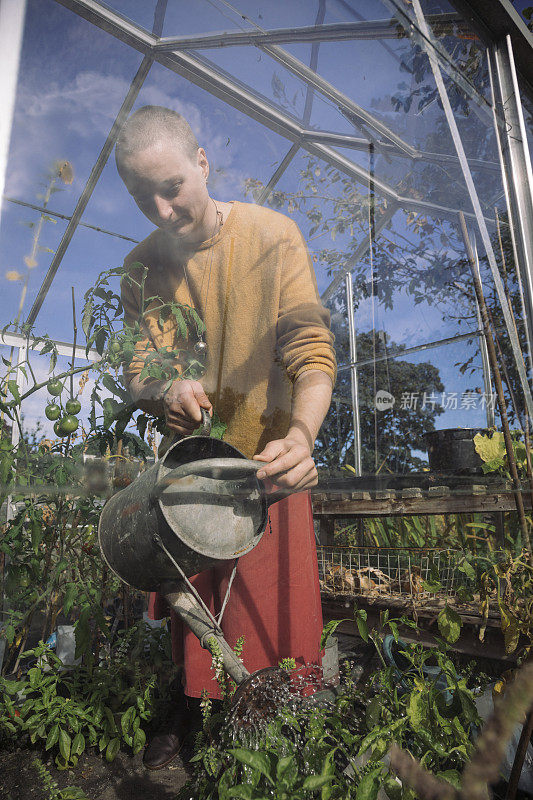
[(411, 772)]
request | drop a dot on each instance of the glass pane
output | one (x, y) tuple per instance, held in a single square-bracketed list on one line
[(401, 94), (412, 287), (194, 19), (202, 16), (73, 78), (141, 12), (61, 121), (28, 239), (400, 400), (260, 73), (527, 109), (226, 135)]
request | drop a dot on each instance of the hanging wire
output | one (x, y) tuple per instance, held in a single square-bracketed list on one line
[(228, 590), (371, 236)]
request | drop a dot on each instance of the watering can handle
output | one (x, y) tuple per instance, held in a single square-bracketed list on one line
[(219, 469), (206, 423)]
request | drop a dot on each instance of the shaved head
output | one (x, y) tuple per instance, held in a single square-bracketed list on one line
[(152, 125)]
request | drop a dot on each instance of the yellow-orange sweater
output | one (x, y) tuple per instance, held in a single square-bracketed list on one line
[(265, 324)]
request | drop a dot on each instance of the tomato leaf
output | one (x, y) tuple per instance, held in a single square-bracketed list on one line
[(449, 623), (316, 781)]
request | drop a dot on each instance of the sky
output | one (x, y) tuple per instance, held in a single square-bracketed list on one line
[(73, 78)]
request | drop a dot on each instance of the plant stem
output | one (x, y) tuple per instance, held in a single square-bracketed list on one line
[(519, 758), (22, 440), (517, 489), (75, 328), (504, 368), (43, 383)]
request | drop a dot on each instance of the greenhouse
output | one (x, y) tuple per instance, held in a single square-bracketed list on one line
[(266, 399)]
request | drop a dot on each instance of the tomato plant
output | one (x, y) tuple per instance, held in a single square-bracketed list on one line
[(50, 542)]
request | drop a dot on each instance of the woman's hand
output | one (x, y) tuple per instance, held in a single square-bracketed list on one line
[(182, 404), (289, 465)]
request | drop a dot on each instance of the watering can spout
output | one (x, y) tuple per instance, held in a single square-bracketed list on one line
[(249, 684), (182, 601)]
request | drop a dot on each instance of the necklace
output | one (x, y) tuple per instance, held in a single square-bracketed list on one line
[(200, 347)]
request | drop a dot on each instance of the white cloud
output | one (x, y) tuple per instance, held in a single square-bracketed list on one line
[(48, 117)]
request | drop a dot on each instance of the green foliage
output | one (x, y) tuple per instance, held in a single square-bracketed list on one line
[(67, 711), (329, 630), (506, 581), (218, 428), (50, 545), (120, 342), (492, 451), (335, 750), (462, 532), (449, 623), (288, 664), (53, 559), (226, 685)]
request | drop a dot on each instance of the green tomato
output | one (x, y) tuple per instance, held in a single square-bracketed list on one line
[(73, 406), (54, 386), (52, 411), (114, 346), (68, 424), (58, 430)]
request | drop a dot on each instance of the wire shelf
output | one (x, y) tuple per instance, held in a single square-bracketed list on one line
[(379, 571)]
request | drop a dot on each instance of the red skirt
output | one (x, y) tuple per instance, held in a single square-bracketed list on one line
[(274, 602)]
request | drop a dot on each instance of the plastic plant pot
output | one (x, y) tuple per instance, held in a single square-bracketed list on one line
[(453, 450), (392, 653)]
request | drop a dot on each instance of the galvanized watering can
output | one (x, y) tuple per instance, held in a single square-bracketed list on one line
[(197, 506)]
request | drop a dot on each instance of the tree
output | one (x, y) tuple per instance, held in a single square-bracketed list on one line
[(389, 436)]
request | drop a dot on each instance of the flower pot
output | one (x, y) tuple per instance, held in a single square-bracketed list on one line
[(452, 450)]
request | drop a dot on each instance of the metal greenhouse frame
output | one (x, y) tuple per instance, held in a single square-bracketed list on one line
[(510, 53)]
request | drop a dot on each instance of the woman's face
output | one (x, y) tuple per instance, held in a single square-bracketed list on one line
[(169, 188)]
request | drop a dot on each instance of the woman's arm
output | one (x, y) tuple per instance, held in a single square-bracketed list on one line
[(290, 463)]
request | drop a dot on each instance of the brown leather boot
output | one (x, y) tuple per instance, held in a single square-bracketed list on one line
[(169, 740)]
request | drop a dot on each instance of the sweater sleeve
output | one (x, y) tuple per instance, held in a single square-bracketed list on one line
[(304, 338)]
